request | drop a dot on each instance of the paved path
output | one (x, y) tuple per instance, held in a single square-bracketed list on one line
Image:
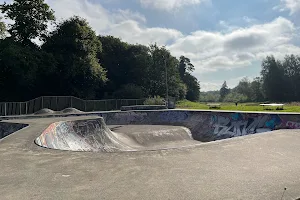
[(251, 167)]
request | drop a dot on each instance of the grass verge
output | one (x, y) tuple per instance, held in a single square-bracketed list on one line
[(289, 107)]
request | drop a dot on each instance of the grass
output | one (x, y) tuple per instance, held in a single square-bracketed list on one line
[(288, 107)]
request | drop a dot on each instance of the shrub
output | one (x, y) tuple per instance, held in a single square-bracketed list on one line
[(156, 100)]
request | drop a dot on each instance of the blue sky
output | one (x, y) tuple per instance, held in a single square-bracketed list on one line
[(225, 39)]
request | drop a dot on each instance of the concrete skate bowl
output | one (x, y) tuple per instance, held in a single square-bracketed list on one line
[(154, 130), (10, 128), (95, 135)]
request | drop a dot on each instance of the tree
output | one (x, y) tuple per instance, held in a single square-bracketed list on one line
[(210, 96), (185, 66), (75, 46), (273, 79), (25, 72), (244, 88), (30, 18), (224, 91), (129, 91), (235, 97), (193, 87), (291, 67), (256, 90), (191, 82), (2, 29), (161, 59)]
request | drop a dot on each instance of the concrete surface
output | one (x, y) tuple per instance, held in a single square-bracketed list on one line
[(249, 167), (93, 135)]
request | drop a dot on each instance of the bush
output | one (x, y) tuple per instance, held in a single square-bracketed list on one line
[(156, 100), (235, 97)]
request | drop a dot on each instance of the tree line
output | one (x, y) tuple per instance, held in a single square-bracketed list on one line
[(279, 81), (72, 59)]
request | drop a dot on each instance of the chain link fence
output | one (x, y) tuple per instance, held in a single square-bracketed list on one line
[(59, 103)]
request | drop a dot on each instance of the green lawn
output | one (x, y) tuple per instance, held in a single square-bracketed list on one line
[(290, 107)]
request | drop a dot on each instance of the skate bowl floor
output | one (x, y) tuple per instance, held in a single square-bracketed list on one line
[(156, 130), (255, 166), (95, 135)]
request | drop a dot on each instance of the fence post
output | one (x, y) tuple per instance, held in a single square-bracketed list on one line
[(4, 109), (26, 108), (71, 102), (105, 105), (84, 105), (116, 104), (20, 108), (94, 106), (56, 103)]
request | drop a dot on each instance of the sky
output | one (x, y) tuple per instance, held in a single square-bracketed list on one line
[(226, 40)]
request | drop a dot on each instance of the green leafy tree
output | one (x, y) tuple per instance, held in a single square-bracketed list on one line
[(210, 96), (25, 72), (2, 29), (291, 67), (193, 87), (30, 18), (235, 97), (256, 90), (75, 46), (129, 91), (244, 88), (224, 91), (161, 59), (185, 66), (274, 85), (191, 82)]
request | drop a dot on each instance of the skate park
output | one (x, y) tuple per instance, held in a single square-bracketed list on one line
[(161, 154)]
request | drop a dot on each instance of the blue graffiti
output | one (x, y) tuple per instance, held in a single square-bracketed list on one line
[(237, 116), (273, 122)]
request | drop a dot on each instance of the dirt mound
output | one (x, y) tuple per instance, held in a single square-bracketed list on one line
[(71, 110), (44, 111)]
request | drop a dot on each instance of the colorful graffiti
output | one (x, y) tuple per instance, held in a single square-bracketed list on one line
[(238, 124)]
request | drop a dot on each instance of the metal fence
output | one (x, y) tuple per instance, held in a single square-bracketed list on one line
[(58, 103)]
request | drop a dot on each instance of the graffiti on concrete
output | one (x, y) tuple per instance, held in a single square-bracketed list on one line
[(292, 125), (238, 125), (174, 116)]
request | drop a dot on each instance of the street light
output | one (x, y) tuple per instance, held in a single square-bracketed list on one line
[(167, 88)]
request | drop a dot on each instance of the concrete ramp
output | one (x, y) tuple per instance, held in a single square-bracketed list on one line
[(82, 135), (94, 135)]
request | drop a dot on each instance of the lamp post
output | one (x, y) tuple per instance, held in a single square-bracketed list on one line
[(167, 88)]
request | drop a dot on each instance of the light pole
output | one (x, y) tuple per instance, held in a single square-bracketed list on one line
[(167, 88)]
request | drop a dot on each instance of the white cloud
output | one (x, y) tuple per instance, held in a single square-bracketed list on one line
[(292, 5), (211, 51), (128, 25), (169, 5)]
